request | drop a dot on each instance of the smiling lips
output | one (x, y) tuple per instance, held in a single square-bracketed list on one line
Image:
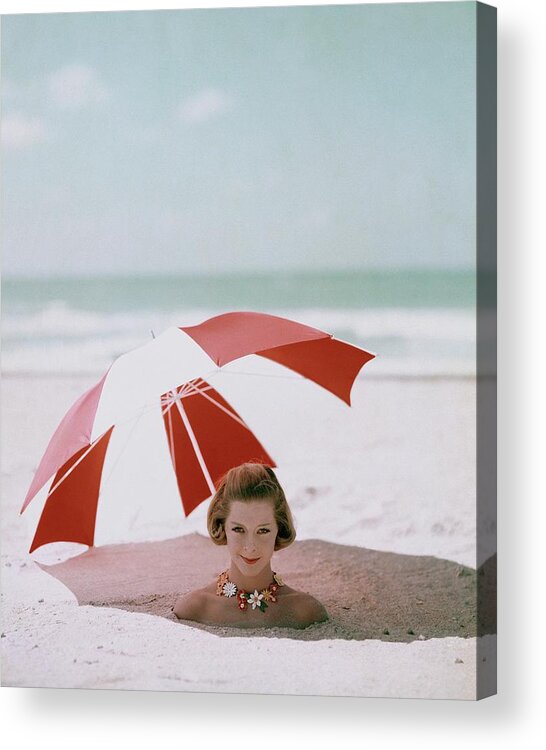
[(250, 562)]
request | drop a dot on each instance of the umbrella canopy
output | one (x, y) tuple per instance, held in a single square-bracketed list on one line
[(155, 412)]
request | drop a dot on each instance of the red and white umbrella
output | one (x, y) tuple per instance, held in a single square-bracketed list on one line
[(148, 443)]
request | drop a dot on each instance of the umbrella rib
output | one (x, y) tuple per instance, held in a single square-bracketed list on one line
[(223, 408), (188, 389), (196, 448), (171, 439)]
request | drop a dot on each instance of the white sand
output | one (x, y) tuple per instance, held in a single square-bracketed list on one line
[(399, 477)]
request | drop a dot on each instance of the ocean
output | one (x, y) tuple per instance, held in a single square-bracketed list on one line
[(418, 323)]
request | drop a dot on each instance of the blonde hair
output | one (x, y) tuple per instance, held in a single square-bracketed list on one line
[(245, 483)]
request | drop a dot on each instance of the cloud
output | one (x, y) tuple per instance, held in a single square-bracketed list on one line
[(203, 106), (76, 86), (20, 131)]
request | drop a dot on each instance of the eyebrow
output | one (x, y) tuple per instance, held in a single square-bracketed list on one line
[(237, 523)]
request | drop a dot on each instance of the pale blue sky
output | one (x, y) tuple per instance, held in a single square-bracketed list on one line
[(224, 140)]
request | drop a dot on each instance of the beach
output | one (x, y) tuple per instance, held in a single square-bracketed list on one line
[(317, 164), (385, 515)]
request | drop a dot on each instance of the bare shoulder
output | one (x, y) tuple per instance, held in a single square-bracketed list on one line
[(307, 610), (192, 606)]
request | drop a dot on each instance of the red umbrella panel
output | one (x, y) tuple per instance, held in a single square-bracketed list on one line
[(318, 356), (62, 518), (206, 438)]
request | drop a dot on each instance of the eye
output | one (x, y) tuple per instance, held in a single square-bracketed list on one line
[(237, 529), (264, 531)]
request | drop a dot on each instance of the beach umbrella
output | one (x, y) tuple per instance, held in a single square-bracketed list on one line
[(155, 424)]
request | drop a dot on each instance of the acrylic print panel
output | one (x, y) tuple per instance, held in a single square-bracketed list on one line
[(315, 164)]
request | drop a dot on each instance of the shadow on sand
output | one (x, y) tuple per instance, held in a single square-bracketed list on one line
[(368, 594)]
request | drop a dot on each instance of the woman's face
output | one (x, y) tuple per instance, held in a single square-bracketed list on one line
[(251, 532)]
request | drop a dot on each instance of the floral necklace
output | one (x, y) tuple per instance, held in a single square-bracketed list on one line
[(258, 599)]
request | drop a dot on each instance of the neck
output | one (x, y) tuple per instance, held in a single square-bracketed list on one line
[(249, 583)]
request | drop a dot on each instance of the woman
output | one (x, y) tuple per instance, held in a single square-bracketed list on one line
[(249, 513)]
